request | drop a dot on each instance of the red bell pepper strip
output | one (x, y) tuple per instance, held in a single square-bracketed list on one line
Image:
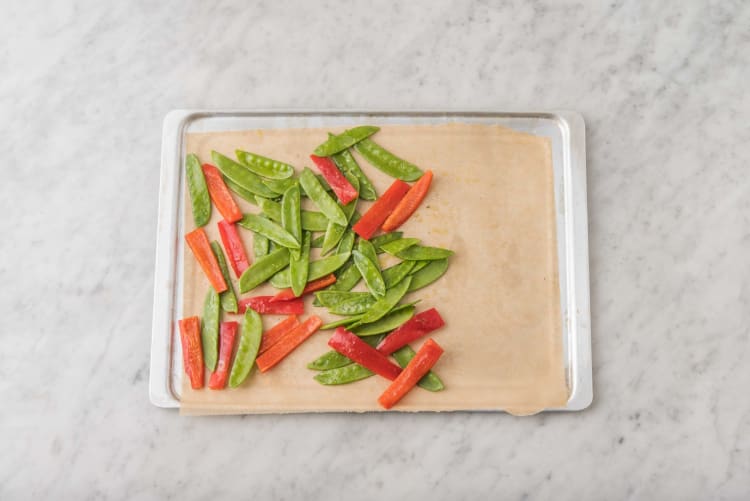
[(198, 242), (409, 203), (220, 195), (420, 365), (350, 345), (233, 246), (192, 350), (380, 210), (338, 182), (417, 326), (288, 343), (278, 331), (287, 294), (265, 306), (227, 333)]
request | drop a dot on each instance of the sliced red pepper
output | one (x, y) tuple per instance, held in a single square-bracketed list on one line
[(220, 195), (233, 246), (227, 335), (192, 351), (409, 203), (278, 331), (338, 182), (198, 242), (380, 210), (420, 365), (288, 343), (417, 326), (266, 306), (350, 345), (287, 294)]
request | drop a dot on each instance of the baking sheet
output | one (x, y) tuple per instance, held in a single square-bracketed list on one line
[(455, 397)]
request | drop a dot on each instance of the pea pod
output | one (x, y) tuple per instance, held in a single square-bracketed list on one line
[(334, 232), (317, 242), (371, 274), (320, 198), (333, 359), (345, 140), (228, 298), (266, 167), (347, 277), (387, 302), (346, 244), (279, 186), (421, 253), (269, 229), (385, 324), (199, 199), (351, 319), (316, 269), (241, 175), (430, 381), (242, 192), (348, 164), (345, 303), (260, 245), (290, 213), (311, 220), (396, 273), (263, 269), (298, 266), (396, 246), (396, 309), (418, 265), (428, 274), (210, 329), (387, 161), (247, 348), (343, 375), (384, 239), (368, 250)]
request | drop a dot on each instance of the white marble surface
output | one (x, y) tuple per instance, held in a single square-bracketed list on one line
[(663, 87)]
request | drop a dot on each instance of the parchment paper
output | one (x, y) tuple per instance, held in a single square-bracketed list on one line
[(492, 202)]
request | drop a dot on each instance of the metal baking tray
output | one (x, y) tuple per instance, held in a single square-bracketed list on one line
[(565, 129)]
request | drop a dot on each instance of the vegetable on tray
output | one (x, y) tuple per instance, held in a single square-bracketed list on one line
[(312, 286), (265, 305), (220, 195), (380, 210), (247, 348), (352, 347), (199, 198), (198, 243), (272, 335), (409, 204), (336, 180), (192, 354), (418, 367), (228, 333), (233, 245), (288, 343), (228, 298)]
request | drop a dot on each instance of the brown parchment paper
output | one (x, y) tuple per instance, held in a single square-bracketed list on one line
[(492, 202)]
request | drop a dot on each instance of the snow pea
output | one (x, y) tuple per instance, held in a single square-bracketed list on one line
[(228, 298), (298, 266), (418, 265), (430, 381), (396, 246), (347, 277), (346, 162), (348, 320), (384, 239), (343, 375), (400, 307), (317, 242), (266, 167), (320, 198), (210, 329), (383, 305), (366, 248), (200, 201), (388, 162), (385, 324), (269, 229), (279, 186), (260, 245), (311, 220), (241, 175), (346, 244), (424, 277), (242, 192), (371, 273), (345, 140), (263, 268), (333, 359), (396, 273), (334, 232), (291, 219), (247, 348), (421, 253), (345, 303), (316, 269)]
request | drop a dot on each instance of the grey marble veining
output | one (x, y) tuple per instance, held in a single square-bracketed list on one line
[(663, 87)]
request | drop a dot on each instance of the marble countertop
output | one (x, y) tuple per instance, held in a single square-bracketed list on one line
[(663, 89)]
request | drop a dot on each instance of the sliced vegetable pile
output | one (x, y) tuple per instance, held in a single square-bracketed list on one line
[(377, 324)]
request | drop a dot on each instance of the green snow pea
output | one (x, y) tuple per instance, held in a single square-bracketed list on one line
[(291, 219), (247, 349), (396, 273), (333, 359), (317, 242), (428, 274), (264, 268), (311, 220), (388, 162), (346, 278), (345, 140), (241, 175), (279, 186), (384, 239), (421, 253), (334, 232), (200, 201), (316, 269), (348, 320), (430, 381), (228, 298), (299, 266), (418, 265), (387, 302), (385, 324), (269, 229), (366, 248), (346, 244), (210, 329), (260, 245), (266, 167), (346, 162), (343, 375), (358, 322), (371, 273), (345, 303), (396, 246), (242, 192), (320, 198)]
